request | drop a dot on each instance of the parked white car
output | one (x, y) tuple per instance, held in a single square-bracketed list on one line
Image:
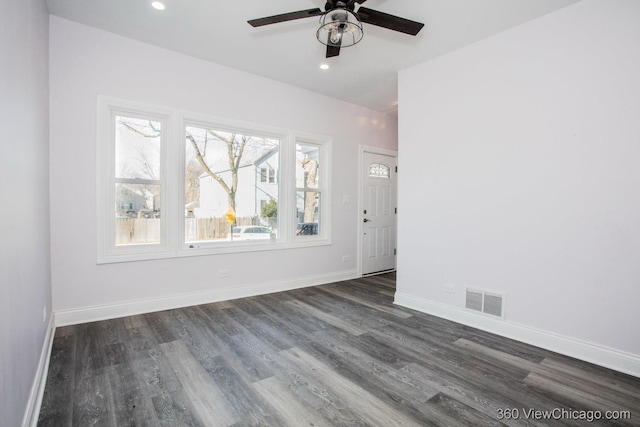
[(251, 232)]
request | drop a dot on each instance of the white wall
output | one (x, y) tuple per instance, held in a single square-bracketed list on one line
[(86, 62), (527, 148), (24, 210)]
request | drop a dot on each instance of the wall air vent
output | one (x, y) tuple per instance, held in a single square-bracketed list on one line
[(485, 302), (474, 300)]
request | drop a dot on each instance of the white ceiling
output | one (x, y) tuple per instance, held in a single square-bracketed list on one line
[(364, 74)]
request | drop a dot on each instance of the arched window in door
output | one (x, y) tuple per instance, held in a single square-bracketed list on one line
[(378, 170)]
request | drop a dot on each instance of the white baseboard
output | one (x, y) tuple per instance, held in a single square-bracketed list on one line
[(32, 411), (588, 352), (130, 308)]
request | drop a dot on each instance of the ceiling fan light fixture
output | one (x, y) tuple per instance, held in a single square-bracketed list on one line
[(339, 27)]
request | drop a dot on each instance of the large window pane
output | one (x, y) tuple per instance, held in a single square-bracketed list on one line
[(230, 172)]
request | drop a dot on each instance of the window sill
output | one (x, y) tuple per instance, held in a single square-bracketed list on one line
[(203, 249)]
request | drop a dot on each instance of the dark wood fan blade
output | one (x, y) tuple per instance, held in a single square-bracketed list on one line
[(391, 22), (333, 51), (285, 17)]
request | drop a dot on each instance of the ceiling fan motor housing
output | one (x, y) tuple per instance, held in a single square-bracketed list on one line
[(330, 5)]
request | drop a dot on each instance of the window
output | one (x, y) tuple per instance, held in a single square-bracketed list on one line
[(224, 165), (267, 175), (308, 189), (378, 170), (132, 146), (137, 180), (179, 184)]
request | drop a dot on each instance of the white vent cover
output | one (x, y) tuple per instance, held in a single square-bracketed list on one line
[(485, 302), (474, 300)]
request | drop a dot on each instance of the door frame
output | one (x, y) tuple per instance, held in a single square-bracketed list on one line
[(362, 149)]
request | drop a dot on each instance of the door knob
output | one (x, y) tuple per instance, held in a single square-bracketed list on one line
[(366, 220)]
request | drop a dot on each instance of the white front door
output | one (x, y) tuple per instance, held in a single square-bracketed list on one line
[(379, 188)]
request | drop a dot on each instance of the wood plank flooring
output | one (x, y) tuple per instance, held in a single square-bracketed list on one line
[(335, 355)]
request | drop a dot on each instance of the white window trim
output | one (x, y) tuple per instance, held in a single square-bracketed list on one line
[(172, 183), (105, 183)]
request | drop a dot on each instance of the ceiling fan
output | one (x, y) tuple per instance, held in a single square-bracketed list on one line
[(341, 24)]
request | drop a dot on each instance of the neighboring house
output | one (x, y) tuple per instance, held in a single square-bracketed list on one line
[(257, 184), (133, 199)]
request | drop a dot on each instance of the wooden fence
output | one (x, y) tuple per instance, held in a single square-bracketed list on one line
[(199, 229), (137, 230), (147, 230)]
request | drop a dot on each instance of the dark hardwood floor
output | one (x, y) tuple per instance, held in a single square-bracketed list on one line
[(338, 354)]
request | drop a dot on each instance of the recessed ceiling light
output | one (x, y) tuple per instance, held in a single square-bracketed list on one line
[(324, 66), (158, 5)]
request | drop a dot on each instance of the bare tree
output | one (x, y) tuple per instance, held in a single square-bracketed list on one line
[(310, 172), (235, 149), (142, 152), (142, 164), (192, 178)]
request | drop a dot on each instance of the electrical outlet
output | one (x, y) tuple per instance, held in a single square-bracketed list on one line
[(223, 273), (450, 289), (345, 258)]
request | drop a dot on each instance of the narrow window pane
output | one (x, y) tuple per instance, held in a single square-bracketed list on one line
[(308, 212), (137, 148), (308, 191), (229, 172), (137, 214), (137, 181)]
